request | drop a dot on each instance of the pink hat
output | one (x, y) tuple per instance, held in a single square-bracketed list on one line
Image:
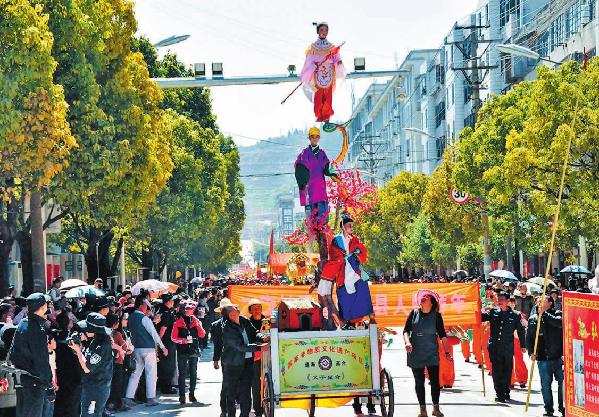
[(424, 291)]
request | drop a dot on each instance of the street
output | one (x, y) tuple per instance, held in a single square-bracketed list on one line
[(465, 399)]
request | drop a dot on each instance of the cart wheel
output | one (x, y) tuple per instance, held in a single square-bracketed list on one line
[(387, 394), (312, 408), (268, 397)]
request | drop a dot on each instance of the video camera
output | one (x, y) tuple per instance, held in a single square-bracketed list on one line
[(74, 338)]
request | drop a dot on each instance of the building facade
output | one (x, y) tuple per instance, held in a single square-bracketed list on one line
[(406, 123)]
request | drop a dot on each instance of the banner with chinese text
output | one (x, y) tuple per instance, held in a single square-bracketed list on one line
[(392, 302), (581, 353), (322, 365)]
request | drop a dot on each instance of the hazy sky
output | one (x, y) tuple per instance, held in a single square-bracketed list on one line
[(262, 37)]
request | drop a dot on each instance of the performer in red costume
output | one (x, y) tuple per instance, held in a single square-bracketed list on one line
[(322, 67), (347, 254)]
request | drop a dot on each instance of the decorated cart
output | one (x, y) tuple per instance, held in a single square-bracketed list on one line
[(304, 366)]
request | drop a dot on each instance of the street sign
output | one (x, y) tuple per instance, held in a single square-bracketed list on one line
[(459, 197)]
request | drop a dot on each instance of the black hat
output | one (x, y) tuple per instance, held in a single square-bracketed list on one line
[(94, 323), (345, 218), (103, 302), (319, 24), (504, 294), (554, 291), (36, 300), (166, 297)]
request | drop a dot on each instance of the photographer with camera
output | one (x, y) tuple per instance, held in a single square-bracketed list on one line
[(96, 362), (187, 332), (29, 354)]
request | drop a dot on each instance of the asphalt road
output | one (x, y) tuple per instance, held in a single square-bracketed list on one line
[(465, 399)]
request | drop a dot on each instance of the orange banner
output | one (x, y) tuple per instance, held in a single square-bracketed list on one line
[(460, 303)]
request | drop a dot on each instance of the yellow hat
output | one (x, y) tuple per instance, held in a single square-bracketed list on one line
[(313, 131)]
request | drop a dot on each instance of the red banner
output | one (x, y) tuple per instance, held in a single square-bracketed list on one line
[(460, 303), (581, 354)]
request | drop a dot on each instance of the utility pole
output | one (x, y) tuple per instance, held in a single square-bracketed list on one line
[(469, 49), (372, 158)]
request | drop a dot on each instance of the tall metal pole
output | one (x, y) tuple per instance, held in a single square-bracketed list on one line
[(476, 105), (38, 244)]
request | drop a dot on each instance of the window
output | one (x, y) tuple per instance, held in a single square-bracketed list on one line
[(542, 44), (440, 74), (592, 9), (506, 9), (439, 113), (467, 92), (441, 146)]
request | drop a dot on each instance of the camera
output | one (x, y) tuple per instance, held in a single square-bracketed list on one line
[(74, 338)]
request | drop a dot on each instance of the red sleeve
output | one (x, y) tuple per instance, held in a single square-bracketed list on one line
[(175, 333), (200, 328)]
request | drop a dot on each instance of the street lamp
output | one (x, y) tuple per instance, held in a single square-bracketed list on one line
[(171, 40), (519, 50)]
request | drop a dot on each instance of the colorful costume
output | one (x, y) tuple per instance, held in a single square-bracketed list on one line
[(321, 69), (311, 167), (344, 267)]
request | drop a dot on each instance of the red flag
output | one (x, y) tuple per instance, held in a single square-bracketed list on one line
[(585, 60)]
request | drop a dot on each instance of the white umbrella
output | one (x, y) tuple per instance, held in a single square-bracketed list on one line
[(196, 280), (575, 269), (460, 272), (541, 281), (150, 285), (72, 283), (502, 273), (80, 292)]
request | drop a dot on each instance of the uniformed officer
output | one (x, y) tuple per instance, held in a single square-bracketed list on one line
[(96, 362), (503, 322), (29, 353)]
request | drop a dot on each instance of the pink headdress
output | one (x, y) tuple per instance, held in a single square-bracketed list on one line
[(424, 291)]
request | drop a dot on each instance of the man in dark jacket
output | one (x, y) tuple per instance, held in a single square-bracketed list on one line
[(503, 322), (549, 351), (29, 353), (239, 337), (216, 333)]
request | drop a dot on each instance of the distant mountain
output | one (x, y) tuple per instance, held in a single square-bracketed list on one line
[(267, 171)]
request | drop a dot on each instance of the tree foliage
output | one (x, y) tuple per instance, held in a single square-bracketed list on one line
[(513, 158)]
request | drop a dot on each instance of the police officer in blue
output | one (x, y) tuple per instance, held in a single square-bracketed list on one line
[(96, 361), (29, 354), (503, 322)]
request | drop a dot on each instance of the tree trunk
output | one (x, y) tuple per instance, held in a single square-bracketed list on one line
[(97, 256), (8, 232), (117, 256), (24, 239), (38, 244), (147, 263)]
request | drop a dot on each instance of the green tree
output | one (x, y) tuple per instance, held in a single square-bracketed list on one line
[(203, 198), (123, 159), (398, 204), (35, 137), (514, 156)]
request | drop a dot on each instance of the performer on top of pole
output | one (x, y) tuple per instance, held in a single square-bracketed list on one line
[(322, 67)]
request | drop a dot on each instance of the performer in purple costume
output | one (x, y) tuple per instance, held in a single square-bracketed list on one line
[(311, 167)]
